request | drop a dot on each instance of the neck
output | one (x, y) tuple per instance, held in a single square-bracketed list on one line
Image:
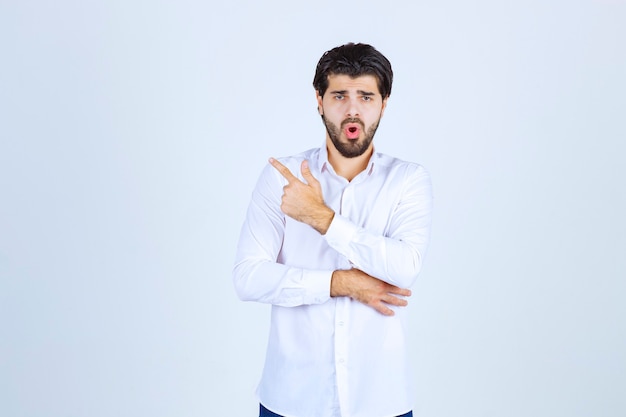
[(347, 167)]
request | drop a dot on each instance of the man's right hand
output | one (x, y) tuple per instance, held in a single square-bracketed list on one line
[(368, 290)]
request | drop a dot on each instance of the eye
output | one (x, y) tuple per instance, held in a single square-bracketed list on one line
[(339, 96), (367, 98)]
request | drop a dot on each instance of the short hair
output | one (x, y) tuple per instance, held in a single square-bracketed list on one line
[(354, 60)]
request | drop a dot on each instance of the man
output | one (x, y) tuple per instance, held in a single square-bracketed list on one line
[(333, 239)]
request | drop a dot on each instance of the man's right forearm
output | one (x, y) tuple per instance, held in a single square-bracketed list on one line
[(338, 284), (368, 290), (273, 283)]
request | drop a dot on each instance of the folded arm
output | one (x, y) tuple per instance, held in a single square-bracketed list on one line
[(396, 257), (382, 266), (257, 274)]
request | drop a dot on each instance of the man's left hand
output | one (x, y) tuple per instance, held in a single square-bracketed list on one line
[(304, 202)]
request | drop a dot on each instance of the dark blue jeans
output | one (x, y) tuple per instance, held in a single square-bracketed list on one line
[(267, 413)]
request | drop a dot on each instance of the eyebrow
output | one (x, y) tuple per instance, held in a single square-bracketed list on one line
[(360, 92)]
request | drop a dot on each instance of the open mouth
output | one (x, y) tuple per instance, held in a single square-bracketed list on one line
[(352, 130)]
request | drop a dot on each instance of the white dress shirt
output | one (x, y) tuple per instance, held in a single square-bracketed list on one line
[(326, 356)]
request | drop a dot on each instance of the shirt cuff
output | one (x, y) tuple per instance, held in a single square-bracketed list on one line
[(340, 234), (318, 290)]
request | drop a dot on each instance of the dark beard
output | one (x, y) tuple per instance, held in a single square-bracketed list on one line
[(352, 148)]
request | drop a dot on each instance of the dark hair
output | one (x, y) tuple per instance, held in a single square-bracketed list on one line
[(354, 60)]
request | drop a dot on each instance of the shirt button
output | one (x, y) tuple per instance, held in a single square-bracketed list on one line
[(340, 323), (342, 360)]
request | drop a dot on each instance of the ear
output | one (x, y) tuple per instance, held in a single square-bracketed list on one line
[(382, 111), (320, 107)]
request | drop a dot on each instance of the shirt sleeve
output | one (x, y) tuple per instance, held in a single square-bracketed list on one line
[(257, 275), (396, 256)]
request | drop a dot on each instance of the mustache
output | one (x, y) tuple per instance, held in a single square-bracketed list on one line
[(352, 120)]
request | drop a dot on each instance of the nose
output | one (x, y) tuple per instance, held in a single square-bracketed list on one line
[(353, 108)]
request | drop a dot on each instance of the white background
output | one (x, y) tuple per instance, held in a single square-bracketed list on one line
[(132, 133)]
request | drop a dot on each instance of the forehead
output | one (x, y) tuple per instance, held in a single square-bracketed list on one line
[(342, 82)]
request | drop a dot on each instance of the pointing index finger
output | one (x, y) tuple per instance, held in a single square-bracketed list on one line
[(283, 170)]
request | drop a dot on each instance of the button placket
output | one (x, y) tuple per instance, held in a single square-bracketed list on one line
[(341, 350)]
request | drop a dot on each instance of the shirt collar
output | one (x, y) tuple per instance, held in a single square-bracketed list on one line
[(324, 165)]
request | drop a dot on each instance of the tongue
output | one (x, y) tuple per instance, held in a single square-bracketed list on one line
[(352, 132)]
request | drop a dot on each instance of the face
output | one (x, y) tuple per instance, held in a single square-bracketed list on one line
[(351, 110)]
